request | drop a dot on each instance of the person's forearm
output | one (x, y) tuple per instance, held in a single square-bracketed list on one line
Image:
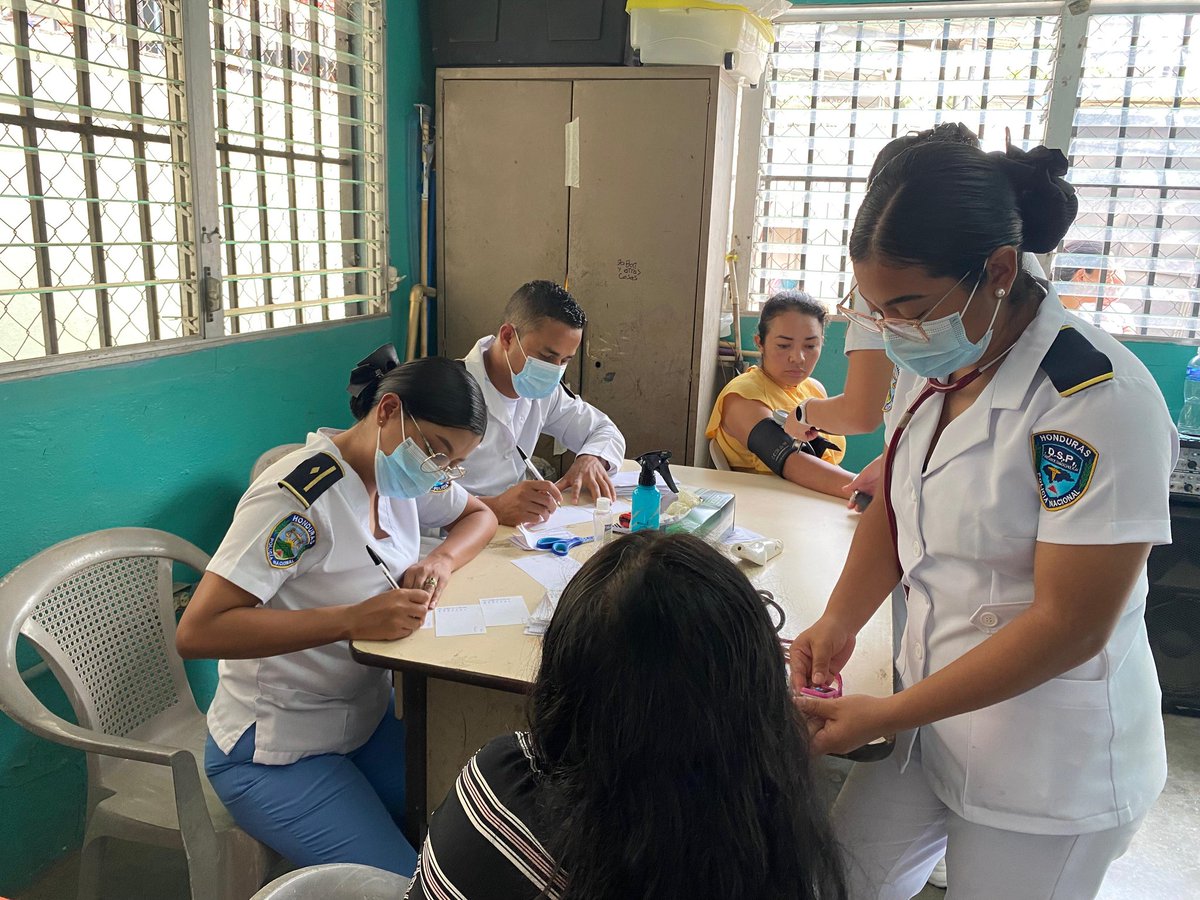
[(816, 474), (1030, 650), (492, 503), (859, 408), (844, 414), (249, 632), (468, 536), (870, 573)]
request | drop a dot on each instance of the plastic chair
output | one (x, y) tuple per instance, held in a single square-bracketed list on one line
[(270, 457), (336, 881), (99, 608), (718, 456)]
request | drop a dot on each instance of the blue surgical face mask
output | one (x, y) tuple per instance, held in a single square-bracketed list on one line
[(538, 379), (401, 473), (948, 349)]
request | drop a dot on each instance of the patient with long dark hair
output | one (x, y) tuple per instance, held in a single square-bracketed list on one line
[(665, 758)]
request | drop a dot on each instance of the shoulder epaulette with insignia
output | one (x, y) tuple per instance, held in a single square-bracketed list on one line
[(1072, 364), (563, 384), (312, 478)]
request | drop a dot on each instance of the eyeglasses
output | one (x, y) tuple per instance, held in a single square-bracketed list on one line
[(436, 463), (908, 329)]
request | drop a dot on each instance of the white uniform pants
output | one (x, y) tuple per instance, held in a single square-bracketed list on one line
[(893, 829)]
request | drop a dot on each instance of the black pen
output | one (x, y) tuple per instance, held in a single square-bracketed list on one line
[(383, 568)]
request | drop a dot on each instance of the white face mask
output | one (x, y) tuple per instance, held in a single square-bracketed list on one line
[(537, 379), (948, 348)]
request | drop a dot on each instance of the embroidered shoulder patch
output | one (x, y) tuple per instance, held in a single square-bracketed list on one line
[(1064, 466), (289, 539), (441, 487), (891, 394)]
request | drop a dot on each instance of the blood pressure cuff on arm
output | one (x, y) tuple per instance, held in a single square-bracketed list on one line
[(770, 443)]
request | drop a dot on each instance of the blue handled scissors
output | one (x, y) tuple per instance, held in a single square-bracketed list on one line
[(561, 546)]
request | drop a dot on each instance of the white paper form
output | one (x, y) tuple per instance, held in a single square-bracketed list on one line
[(563, 517), (455, 621), (550, 571), (498, 611)]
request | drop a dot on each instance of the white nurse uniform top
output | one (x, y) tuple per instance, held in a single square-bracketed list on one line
[(298, 541), (1070, 443)]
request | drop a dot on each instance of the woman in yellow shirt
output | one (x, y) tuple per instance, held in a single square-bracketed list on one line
[(791, 332)]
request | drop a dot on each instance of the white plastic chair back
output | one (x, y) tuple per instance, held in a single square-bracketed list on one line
[(271, 457), (103, 617), (99, 609), (718, 456), (336, 881)]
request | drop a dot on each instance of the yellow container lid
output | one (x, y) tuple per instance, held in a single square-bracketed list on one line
[(759, 22)]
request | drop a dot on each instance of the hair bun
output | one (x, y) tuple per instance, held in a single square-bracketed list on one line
[(1047, 203), (365, 377)]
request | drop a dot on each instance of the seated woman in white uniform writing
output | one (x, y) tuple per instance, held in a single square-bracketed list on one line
[(304, 747), (1026, 479)]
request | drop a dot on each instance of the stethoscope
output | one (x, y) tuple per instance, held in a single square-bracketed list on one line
[(774, 611)]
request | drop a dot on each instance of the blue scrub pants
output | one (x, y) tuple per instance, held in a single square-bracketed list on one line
[(321, 809)]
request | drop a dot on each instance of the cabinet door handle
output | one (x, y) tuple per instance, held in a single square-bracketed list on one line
[(572, 144)]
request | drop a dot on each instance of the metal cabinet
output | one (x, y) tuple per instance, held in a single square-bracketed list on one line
[(617, 182)]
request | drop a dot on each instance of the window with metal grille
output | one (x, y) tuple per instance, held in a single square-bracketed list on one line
[(297, 111), (1131, 258), (92, 173), (102, 184), (1129, 104), (839, 91)]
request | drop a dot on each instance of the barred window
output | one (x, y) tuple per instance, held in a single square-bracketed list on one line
[(297, 107), (1131, 258), (100, 188), (838, 91)]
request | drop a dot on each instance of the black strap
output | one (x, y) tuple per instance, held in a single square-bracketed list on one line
[(312, 478), (1073, 364)]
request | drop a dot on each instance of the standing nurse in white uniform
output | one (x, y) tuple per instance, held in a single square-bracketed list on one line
[(304, 748), (1029, 455)]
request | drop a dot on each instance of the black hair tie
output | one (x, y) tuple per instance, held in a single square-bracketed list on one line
[(369, 371)]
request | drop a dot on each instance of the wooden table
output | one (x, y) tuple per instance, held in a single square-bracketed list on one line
[(497, 668)]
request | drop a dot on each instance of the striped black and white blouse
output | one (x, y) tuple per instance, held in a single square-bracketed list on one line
[(484, 841)]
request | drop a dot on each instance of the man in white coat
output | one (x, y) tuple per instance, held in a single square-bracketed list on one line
[(520, 369)]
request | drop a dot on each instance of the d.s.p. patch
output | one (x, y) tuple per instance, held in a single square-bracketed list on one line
[(1064, 465), (288, 540), (891, 394)]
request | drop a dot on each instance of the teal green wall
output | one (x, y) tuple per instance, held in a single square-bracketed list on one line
[(409, 81), (168, 443), (1166, 363)]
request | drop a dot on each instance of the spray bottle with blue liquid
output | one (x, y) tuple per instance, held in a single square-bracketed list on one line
[(646, 499)]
